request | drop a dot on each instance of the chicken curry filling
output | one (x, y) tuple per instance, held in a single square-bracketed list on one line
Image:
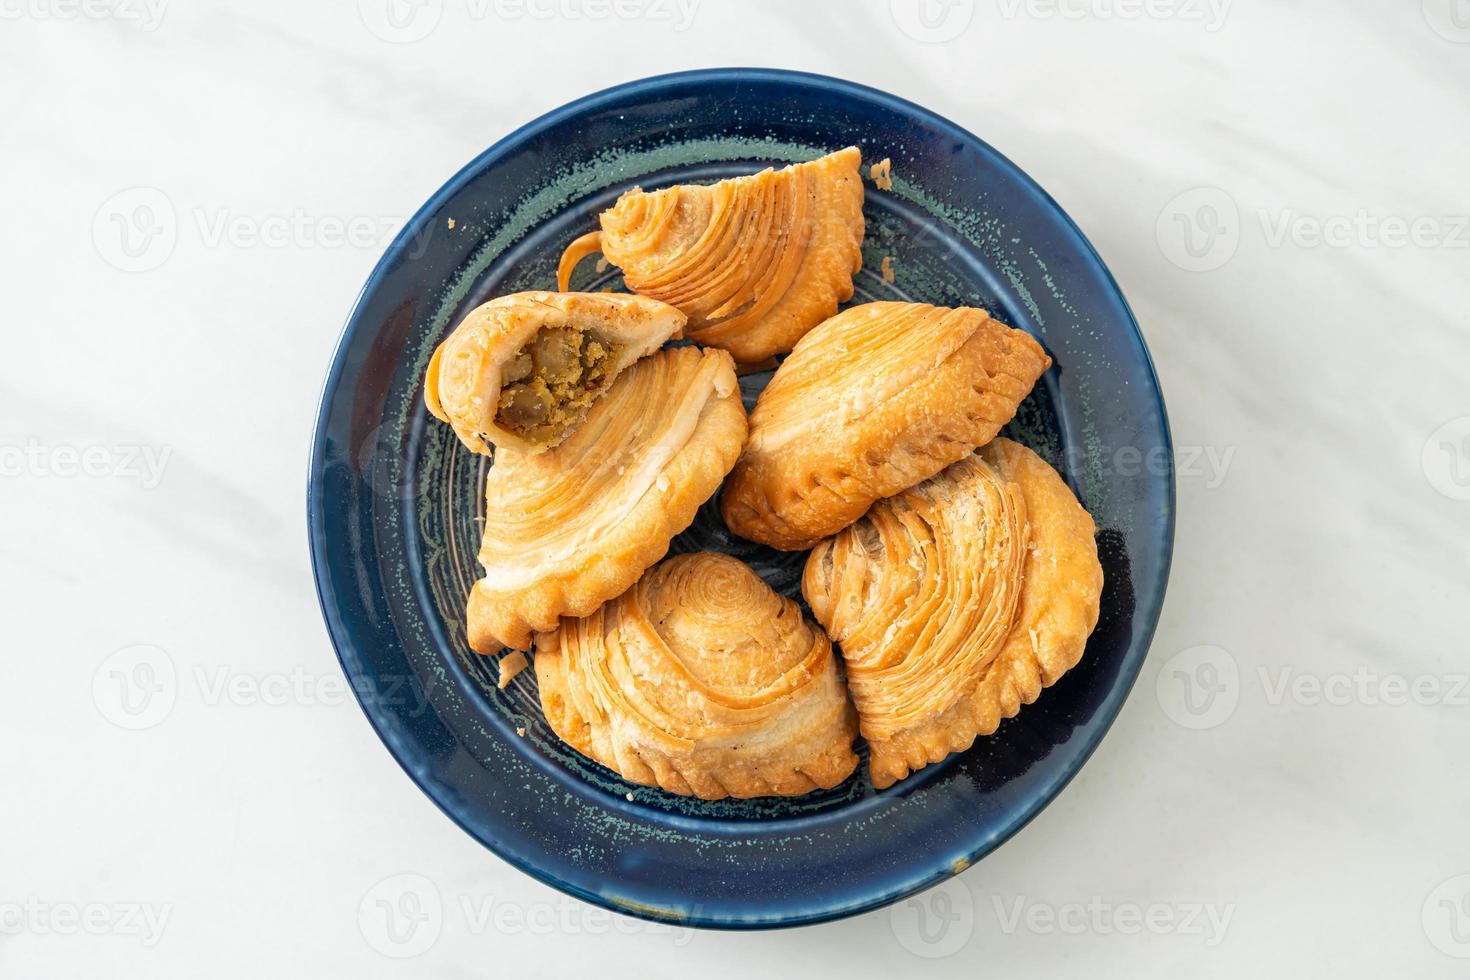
[(552, 382)]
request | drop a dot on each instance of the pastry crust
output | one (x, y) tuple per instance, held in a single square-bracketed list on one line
[(876, 399), (702, 680), (568, 529), (754, 261), (956, 602), (464, 381)]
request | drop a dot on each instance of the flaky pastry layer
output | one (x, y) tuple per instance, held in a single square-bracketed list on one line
[(466, 375), (754, 261), (568, 529), (703, 681), (876, 399), (956, 602)]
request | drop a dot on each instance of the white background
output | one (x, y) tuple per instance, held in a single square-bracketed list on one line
[(1293, 761)]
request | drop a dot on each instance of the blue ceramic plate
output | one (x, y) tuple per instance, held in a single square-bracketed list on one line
[(393, 500)]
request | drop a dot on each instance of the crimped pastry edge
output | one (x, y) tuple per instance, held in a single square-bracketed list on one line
[(1025, 665), (509, 618), (793, 498), (697, 773)]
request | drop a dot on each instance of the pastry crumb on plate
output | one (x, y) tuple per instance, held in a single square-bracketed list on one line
[(881, 174), (510, 666)]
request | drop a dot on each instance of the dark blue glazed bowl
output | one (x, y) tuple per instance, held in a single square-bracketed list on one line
[(393, 500)]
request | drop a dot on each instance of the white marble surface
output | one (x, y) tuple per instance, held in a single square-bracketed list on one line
[(1310, 820)]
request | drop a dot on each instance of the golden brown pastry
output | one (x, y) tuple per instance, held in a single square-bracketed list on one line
[(568, 529), (754, 261), (704, 681), (956, 602), (522, 370), (875, 400)]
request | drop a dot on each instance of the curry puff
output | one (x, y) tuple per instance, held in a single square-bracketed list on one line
[(956, 602), (755, 262), (703, 681), (876, 399), (521, 371), (570, 528)]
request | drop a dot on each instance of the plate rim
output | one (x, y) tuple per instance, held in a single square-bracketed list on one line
[(337, 634)]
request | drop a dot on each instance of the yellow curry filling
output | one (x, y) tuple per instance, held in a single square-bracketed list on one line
[(552, 381)]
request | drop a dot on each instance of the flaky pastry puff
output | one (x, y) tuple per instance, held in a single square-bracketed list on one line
[(522, 370), (754, 261), (875, 400), (568, 529), (956, 602), (702, 680)]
